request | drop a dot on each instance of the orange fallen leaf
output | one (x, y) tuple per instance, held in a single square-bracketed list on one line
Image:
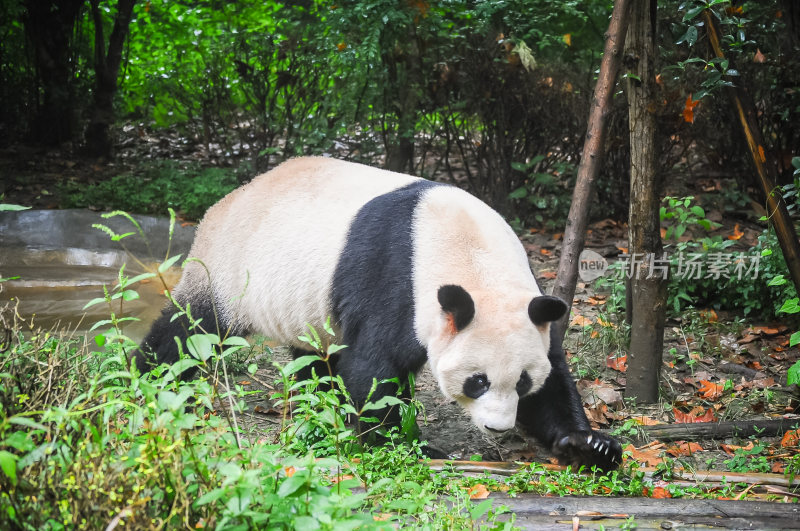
[(737, 234), (606, 324), (684, 449), (688, 109), (549, 275), (694, 416), (342, 477), (381, 517), (778, 467), (730, 449), (289, 470), (568, 39), (478, 492), (617, 363), (790, 438), (759, 57), (341, 46), (645, 421), (709, 315), (597, 299), (710, 390), (595, 334), (545, 252), (580, 320), (646, 454), (659, 492), (623, 249), (761, 155)]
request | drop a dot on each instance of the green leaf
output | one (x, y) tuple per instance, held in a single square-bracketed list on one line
[(8, 463), (793, 374), (28, 423), (209, 497), (385, 401), (698, 211), (166, 264), (794, 339), (92, 302), (130, 295), (693, 13), (201, 346), (290, 485), (298, 364), (100, 340), (519, 193), (5, 207), (790, 306)]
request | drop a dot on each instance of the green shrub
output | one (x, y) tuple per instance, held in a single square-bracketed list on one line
[(190, 190)]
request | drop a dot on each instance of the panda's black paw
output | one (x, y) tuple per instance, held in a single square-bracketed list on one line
[(588, 448)]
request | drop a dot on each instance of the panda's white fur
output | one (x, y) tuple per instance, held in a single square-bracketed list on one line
[(457, 240), (312, 200)]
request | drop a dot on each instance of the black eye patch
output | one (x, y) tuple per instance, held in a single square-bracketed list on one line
[(524, 384), (476, 385)]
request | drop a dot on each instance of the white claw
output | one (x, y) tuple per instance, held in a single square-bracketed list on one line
[(606, 452), (597, 444), (589, 439)]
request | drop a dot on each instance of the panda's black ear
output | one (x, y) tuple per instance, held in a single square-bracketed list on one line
[(546, 308), (457, 303)]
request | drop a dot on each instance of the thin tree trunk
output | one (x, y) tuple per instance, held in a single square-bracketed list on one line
[(764, 164), (648, 283), (107, 63), (575, 231)]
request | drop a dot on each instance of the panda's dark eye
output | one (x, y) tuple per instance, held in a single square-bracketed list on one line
[(524, 384), (476, 385)]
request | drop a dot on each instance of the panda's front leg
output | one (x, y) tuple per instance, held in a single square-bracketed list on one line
[(554, 415)]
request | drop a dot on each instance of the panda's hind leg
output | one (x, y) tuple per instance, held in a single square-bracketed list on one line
[(167, 337)]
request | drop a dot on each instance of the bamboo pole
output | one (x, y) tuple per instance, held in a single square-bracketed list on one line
[(765, 167)]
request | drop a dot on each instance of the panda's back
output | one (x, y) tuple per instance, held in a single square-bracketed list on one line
[(271, 246)]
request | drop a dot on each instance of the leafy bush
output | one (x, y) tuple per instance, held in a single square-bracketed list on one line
[(190, 190)]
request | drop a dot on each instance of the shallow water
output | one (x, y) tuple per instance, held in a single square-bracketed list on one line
[(63, 262)]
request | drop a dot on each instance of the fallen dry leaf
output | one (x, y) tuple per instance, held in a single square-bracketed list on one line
[(710, 390), (648, 454), (694, 416), (617, 363), (730, 449), (683, 448), (580, 320), (790, 438), (478, 492), (549, 275)]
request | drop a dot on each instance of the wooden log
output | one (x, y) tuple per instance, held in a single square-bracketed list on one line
[(719, 430)]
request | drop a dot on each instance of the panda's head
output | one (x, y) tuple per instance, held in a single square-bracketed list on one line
[(489, 353)]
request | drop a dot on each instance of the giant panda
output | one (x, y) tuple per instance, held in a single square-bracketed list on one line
[(410, 272)]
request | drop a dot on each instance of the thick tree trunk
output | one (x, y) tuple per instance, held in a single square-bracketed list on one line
[(575, 231), (648, 271), (49, 26), (107, 63)]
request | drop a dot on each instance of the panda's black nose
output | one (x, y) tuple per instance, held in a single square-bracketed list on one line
[(493, 430)]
